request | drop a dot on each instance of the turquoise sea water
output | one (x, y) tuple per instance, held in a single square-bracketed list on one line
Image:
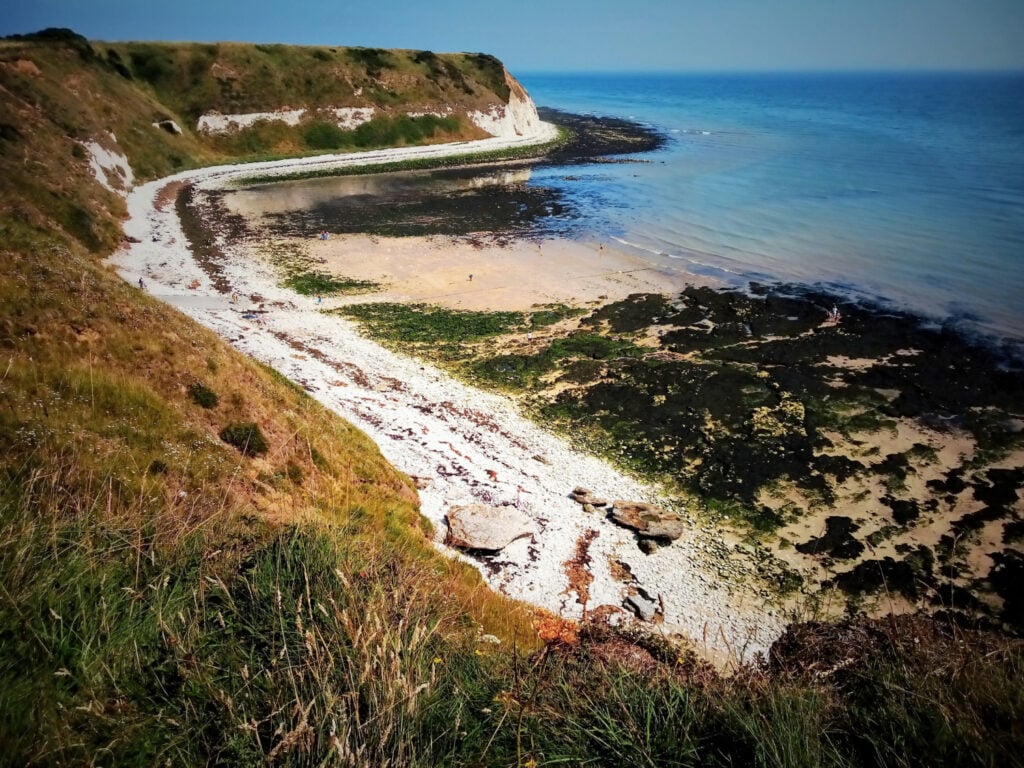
[(903, 188)]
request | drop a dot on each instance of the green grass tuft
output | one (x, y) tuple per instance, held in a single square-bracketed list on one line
[(246, 437), (202, 395), (314, 283)]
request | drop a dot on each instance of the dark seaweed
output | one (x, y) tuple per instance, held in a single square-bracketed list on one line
[(433, 203), (837, 542)]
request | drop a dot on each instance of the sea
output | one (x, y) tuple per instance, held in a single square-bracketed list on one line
[(902, 189), (905, 190)]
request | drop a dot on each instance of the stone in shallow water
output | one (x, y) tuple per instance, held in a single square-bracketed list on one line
[(648, 520), (477, 526)]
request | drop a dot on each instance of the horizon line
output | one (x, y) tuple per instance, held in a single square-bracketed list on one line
[(781, 71)]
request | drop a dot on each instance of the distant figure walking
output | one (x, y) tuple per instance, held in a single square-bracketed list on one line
[(234, 297), (142, 284), (834, 315), (471, 277)]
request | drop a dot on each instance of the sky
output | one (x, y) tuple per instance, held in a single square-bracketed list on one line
[(582, 35)]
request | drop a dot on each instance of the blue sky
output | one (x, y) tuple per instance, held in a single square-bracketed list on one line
[(572, 35)]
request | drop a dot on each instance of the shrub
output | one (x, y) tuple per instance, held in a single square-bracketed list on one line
[(373, 59), (246, 437), (389, 131), (324, 135), (151, 64), (294, 472), (492, 73), (203, 395)]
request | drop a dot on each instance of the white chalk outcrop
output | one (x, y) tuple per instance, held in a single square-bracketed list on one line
[(110, 166), (517, 118), (504, 121), (350, 118), (215, 122)]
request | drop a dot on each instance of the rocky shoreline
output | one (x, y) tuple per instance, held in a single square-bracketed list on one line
[(796, 403), (872, 463), (464, 446)]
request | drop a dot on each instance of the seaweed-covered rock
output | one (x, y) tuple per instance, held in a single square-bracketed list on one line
[(837, 542)]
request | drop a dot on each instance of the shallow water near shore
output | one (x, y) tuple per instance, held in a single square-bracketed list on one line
[(906, 188), (902, 189)]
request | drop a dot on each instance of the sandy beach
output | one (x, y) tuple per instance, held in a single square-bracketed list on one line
[(517, 276), (465, 446)]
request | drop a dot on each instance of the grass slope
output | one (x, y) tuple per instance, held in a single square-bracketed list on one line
[(167, 598)]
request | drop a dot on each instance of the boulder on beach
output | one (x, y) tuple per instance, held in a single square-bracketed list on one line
[(477, 526), (642, 604), (648, 520), (647, 546), (584, 496)]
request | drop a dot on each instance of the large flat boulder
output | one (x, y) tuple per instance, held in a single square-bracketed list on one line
[(648, 520), (477, 526)]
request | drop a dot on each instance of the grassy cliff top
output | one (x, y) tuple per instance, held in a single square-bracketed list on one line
[(240, 77)]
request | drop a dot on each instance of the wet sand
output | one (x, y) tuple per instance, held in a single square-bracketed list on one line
[(461, 274)]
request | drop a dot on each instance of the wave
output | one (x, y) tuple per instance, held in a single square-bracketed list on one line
[(698, 266)]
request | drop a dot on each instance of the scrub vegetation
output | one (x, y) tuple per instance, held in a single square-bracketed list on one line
[(169, 599)]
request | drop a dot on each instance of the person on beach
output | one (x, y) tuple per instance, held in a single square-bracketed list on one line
[(471, 277), (142, 285)]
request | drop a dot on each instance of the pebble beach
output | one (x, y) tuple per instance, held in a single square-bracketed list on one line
[(463, 446)]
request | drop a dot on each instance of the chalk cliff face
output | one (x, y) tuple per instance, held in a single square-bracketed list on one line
[(515, 118)]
